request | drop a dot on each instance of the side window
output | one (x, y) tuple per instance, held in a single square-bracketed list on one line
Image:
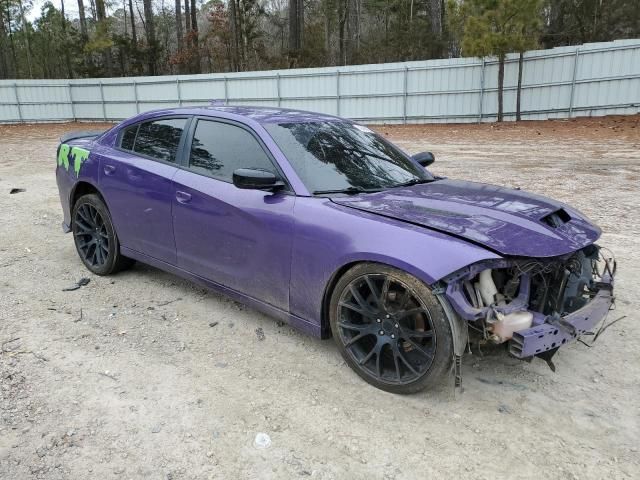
[(219, 148), (128, 137), (160, 138)]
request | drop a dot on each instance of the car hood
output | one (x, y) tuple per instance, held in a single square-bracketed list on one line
[(507, 221)]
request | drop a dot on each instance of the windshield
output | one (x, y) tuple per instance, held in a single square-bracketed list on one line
[(340, 156)]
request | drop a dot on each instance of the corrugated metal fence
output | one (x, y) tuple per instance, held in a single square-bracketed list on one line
[(591, 79)]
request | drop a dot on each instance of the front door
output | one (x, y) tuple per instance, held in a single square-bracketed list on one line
[(237, 238)]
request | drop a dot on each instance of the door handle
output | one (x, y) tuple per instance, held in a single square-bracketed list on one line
[(109, 169), (183, 197)]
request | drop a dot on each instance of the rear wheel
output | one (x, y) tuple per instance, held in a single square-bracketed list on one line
[(95, 237), (390, 328)]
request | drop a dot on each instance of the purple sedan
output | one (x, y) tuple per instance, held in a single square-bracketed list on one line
[(322, 223)]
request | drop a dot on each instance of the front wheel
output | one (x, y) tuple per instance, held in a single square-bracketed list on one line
[(390, 328), (95, 237)]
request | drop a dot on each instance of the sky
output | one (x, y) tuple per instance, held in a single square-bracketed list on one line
[(70, 8)]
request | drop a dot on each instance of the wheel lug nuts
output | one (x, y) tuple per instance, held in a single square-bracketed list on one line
[(393, 336), (388, 316), (396, 325), (381, 332), (378, 320)]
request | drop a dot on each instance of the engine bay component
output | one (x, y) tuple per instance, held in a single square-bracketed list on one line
[(534, 304), (503, 329)]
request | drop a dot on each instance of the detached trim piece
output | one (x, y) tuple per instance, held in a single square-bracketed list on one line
[(558, 332)]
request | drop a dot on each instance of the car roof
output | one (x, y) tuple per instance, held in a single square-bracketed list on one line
[(258, 114)]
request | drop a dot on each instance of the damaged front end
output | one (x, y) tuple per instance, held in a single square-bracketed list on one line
[(536, 305)]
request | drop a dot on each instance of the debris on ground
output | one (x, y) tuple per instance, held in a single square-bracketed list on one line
[(260, 334), (168, 302), (262, 441), (16, 190), (80, 283)]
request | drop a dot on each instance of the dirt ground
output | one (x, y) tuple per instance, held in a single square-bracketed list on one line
[(146, 376)]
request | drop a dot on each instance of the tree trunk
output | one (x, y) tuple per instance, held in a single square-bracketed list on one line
[(358, 24), (241, 36), (187, 36), (134, 39), (84, 35), (233, 20), (151, 36), (342, 33), (500, 86), (83, 22), (102, 24), (4, 61), (179, 34), (194, 33), (27, 39), (436, 10), (301, 24), (187, 18), (519, 91), (134, 35), (12, 43), (67, 59), (327, 36), (293, 26), (296, 26)]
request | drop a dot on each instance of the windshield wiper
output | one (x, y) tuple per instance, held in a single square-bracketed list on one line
[(416, 181), (348, 191)]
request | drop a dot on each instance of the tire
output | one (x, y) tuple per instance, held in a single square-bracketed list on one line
[(390, 328), (95, 237)]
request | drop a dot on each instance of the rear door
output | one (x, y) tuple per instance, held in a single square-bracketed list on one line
[(136, 179), (238, 238)]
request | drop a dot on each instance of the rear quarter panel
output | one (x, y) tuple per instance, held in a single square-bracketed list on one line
[(75, 164)]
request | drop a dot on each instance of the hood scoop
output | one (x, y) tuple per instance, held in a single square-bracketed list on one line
[(556, 219)]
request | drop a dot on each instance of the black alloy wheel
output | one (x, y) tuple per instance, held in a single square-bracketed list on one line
[(95, 238), (390, 328), (91, 236)]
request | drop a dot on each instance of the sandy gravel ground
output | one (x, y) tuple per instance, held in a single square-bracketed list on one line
[(127, 378)]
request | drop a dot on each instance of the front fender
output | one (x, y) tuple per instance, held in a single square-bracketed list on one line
[(330, 237)]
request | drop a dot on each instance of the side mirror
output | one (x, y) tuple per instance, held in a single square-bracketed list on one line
[(424, 158), (250, 179)]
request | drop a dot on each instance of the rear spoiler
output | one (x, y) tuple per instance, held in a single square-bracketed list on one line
[(81, 134)]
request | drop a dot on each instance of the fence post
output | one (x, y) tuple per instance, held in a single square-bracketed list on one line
[(573, 80), (104, 107), (481, 92), (405, 93), (338, 92), (135, 95), (178, 90), (226, 91), (15, 89), (278, 88), (73, 108)]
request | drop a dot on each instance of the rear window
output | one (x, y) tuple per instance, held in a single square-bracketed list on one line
[(158, 139)]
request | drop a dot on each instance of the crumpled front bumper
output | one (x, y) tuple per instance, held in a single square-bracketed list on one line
[(556, 332)]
